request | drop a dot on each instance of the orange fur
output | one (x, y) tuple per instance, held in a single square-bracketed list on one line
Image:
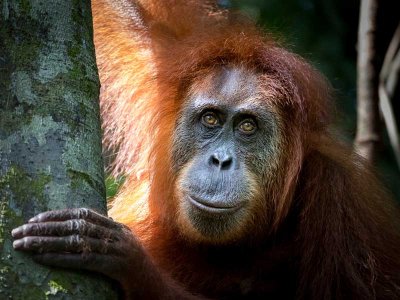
[(328, 218)]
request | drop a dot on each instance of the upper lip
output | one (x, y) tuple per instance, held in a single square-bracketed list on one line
[(213, 207)]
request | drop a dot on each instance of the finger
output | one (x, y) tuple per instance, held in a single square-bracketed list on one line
[(87, 261), (69, 260), (75, 213), (63, 228), (72, 244)]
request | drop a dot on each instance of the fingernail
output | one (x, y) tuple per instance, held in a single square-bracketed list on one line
[(18, 244), (14, 232), (33, 220)]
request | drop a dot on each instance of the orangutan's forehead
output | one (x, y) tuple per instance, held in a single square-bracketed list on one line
[(228, 85)]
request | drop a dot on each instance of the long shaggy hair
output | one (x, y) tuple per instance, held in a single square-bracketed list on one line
[(150, 54)]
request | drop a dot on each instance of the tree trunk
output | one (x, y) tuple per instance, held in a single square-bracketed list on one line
[(50, 145)]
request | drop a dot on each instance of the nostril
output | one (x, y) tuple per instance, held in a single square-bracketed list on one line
[(226, 163), (223, 163), (214, 161)]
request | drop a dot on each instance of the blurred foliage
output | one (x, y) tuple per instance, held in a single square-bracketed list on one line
[(112, 185)]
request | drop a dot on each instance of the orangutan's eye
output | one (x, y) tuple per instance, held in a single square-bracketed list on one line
[(247, 126), (210, 119)]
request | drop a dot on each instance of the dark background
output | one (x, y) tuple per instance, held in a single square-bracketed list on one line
[(325, 32)]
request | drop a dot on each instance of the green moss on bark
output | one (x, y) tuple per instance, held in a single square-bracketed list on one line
[(50, 144)]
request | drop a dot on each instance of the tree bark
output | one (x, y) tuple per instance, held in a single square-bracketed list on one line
[(50, 144), (368, 122)]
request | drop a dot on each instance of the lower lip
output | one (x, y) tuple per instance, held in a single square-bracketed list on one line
[(213, 209)]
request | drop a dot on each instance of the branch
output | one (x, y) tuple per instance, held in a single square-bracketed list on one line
[(389, 78), (368, 133)]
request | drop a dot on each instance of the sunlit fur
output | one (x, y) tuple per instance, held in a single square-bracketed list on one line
[(346, 230)]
